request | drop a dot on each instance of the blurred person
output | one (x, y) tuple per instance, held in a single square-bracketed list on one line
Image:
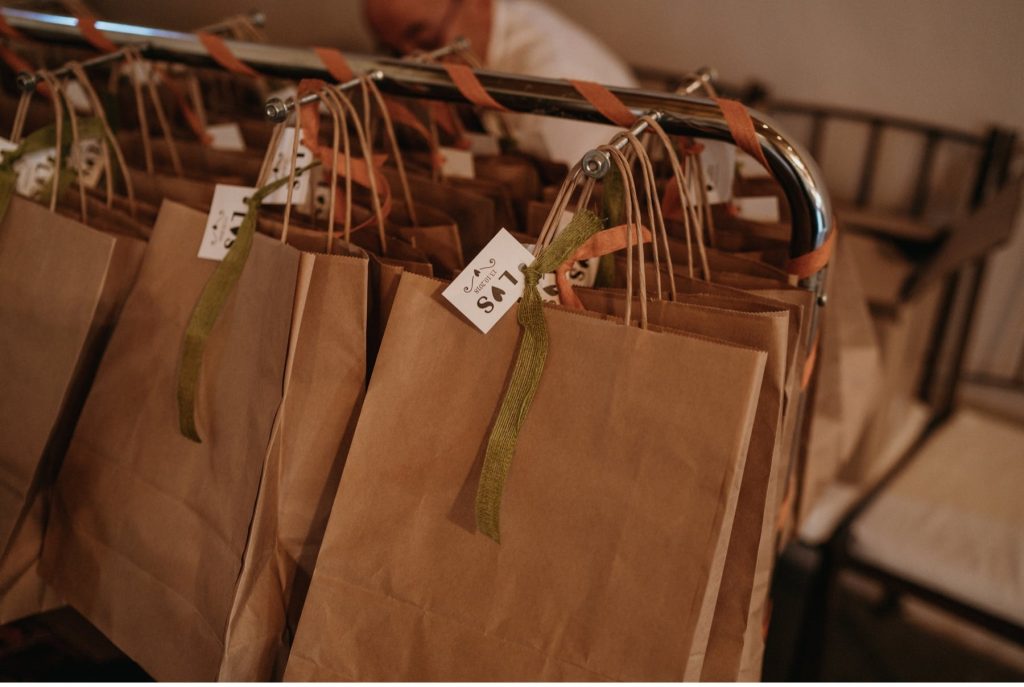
[(519, 37)]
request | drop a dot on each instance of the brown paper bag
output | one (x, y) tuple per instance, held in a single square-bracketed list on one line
[(610, 518), (157, 187), (199, 161), (61, 288), (148, 528), (325, 384), (472, 212), (765, 328), (435, 234)]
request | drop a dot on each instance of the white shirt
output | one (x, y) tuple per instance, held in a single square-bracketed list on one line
[(530, 38)]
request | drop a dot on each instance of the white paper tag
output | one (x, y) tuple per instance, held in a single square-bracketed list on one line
[(280, 167), (77, 97), (226, 214), (719, 162), (491, 283), (226, 136), (141, 71), (749, 168), (91, 152), (6, 145), (757, 208), (35, 170), (483, 144), (456, 162)]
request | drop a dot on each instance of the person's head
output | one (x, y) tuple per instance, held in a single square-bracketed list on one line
[(410, 25)]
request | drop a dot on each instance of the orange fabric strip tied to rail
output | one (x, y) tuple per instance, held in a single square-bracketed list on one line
[(335, 64), (9, 31), (470, 87), (87, 27), (811, 263), (220, 52), (742, 128), (605, 102)]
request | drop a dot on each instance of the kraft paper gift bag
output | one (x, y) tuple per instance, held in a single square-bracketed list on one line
[(473, 213), (504, 211), (61, 286), (324, 386), (155, 187), (765, 329), (148, 528), (611, 513), (435, 233), (199, 161), (738, 318)]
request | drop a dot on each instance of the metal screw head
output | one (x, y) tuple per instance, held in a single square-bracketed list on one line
[(707, 74), (822, 300), (596, 164), (26, 81), (275, 110)]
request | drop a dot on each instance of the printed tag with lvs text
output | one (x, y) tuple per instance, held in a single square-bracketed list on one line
[(491, 283), (35, 172), (580, 273), (281, 167), (225, 219), (88, 154)]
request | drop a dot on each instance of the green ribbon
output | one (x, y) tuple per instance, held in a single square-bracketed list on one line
[(529, 365), (613, 205), (211, 301)]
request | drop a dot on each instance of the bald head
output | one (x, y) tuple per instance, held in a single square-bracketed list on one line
[(410, 25)]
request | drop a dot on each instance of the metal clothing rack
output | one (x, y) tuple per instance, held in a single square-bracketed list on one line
[(794, 169), (679, 114)]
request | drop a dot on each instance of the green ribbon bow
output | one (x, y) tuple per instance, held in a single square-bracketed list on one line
[(210, 304), (529, 365)]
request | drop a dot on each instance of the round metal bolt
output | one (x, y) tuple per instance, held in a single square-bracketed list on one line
[(707, 74), (275, 110), (596, 164), (822, 300), (26, 81)]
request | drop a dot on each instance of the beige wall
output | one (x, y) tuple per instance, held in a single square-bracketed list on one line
[(956, 62)]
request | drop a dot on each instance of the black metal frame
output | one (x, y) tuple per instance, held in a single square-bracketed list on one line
[(939, 384)]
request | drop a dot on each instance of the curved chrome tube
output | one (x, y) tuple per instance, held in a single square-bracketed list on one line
[(794, 169)]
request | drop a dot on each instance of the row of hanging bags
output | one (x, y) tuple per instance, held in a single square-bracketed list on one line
[(67, 264), (186, 515), (612, 452)]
